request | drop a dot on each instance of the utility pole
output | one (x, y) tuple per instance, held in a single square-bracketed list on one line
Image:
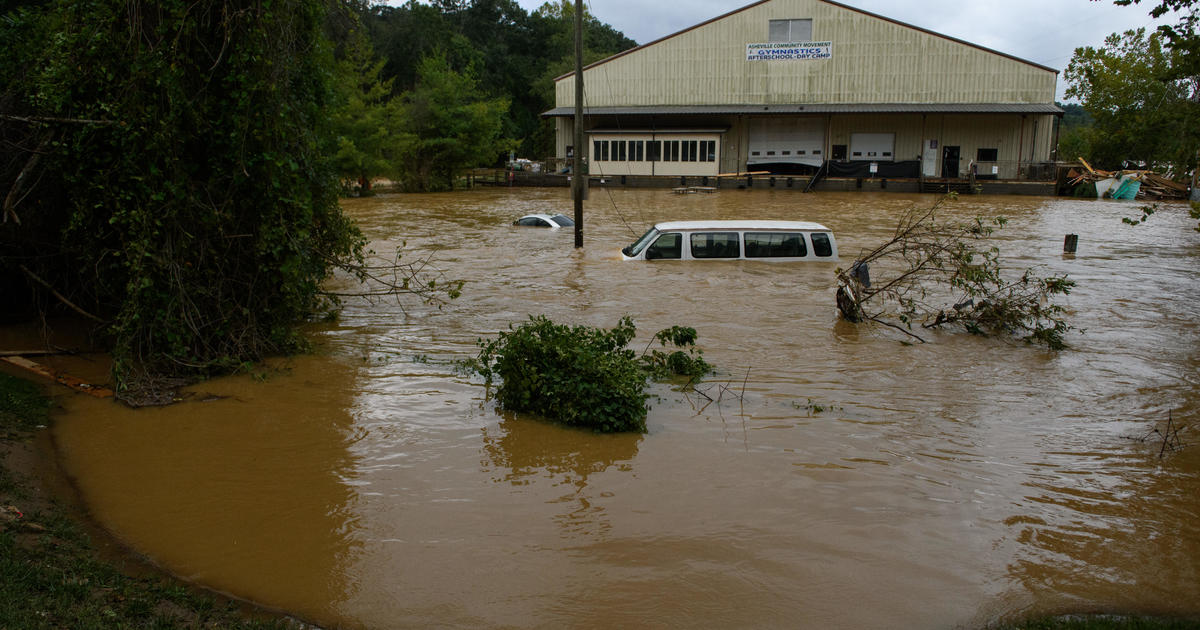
[(1196, 176), (577, 177)]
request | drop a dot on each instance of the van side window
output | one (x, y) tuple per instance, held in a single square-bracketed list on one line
[(668, 246), (715, 245), (775, 245), (821, 246)]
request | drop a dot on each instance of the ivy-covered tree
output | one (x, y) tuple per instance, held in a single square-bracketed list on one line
[(449, 126), (167, 173), (1140, 113)]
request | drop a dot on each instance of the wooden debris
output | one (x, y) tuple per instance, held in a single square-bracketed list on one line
[(1154, 187), (76, 384)]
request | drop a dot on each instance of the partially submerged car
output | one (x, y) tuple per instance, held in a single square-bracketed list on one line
[(782, 241), (552, 221)]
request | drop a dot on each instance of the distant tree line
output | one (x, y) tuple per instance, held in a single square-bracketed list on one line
[(431, 89)]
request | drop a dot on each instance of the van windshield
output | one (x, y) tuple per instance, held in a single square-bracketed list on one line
[(637, 247)]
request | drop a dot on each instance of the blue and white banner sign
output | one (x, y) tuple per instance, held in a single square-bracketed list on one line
[(789, 51)]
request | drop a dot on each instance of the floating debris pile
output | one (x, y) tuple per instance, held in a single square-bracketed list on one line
[(1146, 185)]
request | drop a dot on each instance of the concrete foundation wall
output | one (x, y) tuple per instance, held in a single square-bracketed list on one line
[(785, 182)]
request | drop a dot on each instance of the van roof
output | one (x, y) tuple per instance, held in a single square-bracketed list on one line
[(740, 225)]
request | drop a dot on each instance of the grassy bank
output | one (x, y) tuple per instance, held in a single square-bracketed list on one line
[(1104, 622), (51, 576)]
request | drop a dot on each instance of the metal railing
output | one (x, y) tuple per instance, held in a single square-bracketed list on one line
[(1008, 170)]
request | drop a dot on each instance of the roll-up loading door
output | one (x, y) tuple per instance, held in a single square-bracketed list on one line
[(873, 147), (786, 141)]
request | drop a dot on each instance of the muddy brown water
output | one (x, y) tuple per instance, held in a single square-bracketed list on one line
[(843, 479)]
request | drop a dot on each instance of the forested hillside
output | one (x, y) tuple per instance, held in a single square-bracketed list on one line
[(513, 54)]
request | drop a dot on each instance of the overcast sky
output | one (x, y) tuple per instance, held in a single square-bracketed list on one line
[(1046, 32)]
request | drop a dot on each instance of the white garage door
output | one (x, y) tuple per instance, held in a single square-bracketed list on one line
[(787, 140), (874, 147)]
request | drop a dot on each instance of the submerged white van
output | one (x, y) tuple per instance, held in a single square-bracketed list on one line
[(783, 241)]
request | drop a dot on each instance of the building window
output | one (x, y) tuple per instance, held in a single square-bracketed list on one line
[(786, 31), (637, 151), (987, 155), (708, 150), (672, 151), (654, 150), (600, 150), (619, 151)]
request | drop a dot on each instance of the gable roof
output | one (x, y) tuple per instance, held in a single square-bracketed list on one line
[(829, 2)]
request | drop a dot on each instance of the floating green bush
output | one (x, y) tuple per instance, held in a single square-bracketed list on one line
[(582, 376)]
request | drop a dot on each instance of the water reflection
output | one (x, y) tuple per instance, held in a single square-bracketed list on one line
[(521, 451), (225, 492)]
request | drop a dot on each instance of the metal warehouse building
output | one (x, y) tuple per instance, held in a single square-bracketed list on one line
[(808, 86)]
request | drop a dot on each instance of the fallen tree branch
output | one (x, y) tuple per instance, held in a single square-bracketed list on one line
[(50, 119), (939, 273), (11, 200), (61, 297)]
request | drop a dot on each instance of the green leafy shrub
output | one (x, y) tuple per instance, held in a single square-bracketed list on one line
[(688, 363), (579, 375)]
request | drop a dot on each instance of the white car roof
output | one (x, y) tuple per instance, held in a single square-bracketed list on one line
[(740, 225)]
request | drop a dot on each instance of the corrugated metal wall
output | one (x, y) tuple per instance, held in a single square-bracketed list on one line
[(874, 61)]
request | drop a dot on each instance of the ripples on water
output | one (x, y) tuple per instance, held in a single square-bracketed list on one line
[(842, 480)]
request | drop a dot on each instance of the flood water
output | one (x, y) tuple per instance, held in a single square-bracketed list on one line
[(842, 479)]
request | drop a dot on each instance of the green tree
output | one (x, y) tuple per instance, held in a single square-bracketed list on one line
[(556, 29), (172, 174), (404, 35), (1140, 113), (366, 121), (449, 126), (1181, 36), (499, 40)]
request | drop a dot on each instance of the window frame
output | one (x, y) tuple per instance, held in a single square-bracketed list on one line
[(825, 248), (771, 250), (791, 27), (678, 248), (721, 251)]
